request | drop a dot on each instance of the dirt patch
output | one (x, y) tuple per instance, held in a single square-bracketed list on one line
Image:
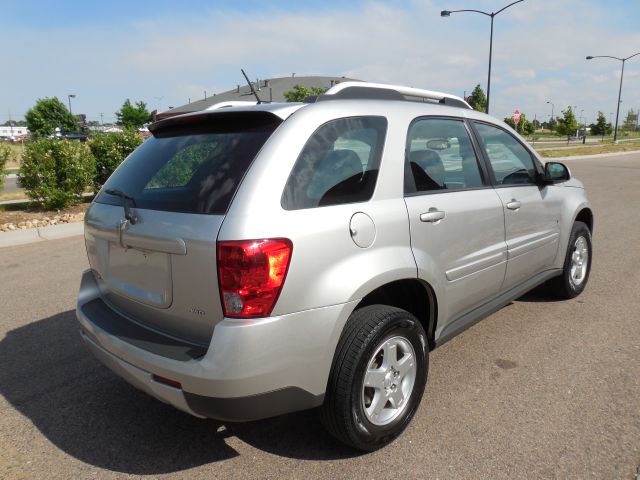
[(11, 220)]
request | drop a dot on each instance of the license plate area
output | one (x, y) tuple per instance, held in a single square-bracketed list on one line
[(140, 275)]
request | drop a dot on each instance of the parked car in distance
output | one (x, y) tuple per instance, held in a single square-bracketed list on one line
[(252, 261), (77, 136)]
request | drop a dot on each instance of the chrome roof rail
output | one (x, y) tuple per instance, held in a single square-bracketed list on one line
[(381, 91)]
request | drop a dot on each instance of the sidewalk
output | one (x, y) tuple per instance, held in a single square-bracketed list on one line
[(40, 234)]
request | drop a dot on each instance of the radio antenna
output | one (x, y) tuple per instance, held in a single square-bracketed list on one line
[(253, 90)]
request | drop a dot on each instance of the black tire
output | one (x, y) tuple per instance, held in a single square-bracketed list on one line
[(343, 412), (564, 286)]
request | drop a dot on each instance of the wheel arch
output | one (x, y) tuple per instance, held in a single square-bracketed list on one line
[(585, 215), (411, 294)]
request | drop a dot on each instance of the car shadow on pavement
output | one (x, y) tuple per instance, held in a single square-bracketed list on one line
[(50, 377), (538, 295)]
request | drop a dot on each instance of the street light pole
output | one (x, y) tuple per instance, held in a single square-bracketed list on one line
[(447, 13), (552, 105), (615, 134), (70, 96), (591, 57), (489, 73)]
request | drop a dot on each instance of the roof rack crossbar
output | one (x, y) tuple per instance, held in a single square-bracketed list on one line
[(345, 90)]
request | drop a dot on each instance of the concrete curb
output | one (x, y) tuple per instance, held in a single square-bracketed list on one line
[(41, 234)]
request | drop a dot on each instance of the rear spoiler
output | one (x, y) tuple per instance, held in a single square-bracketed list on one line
[(214, 120)]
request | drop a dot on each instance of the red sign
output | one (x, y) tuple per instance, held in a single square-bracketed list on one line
[(516, 116)]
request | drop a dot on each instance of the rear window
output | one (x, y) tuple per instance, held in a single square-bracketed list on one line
[(192, 166)]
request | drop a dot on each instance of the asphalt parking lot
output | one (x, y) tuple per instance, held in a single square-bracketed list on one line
[(541, 389)]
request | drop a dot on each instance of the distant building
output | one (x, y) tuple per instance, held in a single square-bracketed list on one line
[(269, 90), (13, 132)]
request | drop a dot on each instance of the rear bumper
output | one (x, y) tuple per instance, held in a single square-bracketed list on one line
[(252, 368)]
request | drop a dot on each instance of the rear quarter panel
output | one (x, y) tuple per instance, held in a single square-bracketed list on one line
[(327, 267)]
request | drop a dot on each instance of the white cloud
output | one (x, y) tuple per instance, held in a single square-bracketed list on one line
[(539, 54), (524, 74)]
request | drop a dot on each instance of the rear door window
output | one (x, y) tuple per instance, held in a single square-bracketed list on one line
[(192, 167), (440, 157), (338, 164)]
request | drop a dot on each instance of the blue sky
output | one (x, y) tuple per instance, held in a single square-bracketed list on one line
[(165, 52)]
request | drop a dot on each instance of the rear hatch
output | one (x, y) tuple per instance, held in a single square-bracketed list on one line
[(151, 231)]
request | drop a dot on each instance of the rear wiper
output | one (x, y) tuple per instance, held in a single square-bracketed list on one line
[(128, 214)]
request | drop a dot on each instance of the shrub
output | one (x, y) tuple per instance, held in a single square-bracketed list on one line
[(109, 150), (5, 155), (55, 173)]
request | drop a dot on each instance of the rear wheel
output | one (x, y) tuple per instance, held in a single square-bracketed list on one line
[(378, 377), (577, 264)]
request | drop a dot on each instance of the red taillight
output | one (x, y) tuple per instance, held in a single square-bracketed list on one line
[(251, 274)]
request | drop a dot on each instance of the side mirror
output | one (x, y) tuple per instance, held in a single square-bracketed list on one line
[(555, 172)]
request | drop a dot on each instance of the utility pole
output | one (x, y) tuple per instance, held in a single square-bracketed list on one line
[(158, 102), (69, 97)]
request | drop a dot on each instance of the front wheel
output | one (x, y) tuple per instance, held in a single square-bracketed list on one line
[(577, 264), (377, 378)]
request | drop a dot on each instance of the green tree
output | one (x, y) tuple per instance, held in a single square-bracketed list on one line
[(47, 115), (300, 92), (15, 123), (567, 124), (525, 127), (109, 150), (134, 117), (609, 130), (478, 99), (630, 121), (601, 127), (55, 173), (550, 125)]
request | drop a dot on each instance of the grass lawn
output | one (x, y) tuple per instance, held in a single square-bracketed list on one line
[(17, 156), (12, 196), (589, 150)]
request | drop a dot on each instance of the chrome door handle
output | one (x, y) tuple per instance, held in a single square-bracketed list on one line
[(514, 204), (433, 215)]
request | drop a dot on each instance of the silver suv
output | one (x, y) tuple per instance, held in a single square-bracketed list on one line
[(252, 261)]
